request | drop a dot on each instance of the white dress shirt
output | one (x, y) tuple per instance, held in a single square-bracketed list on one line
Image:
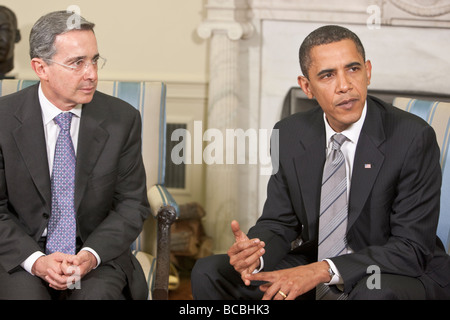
[(51, 131)]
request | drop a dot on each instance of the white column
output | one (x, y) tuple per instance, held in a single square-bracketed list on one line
[(225, 25)]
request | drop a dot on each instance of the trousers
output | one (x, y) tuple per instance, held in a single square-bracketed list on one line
[(106, 282), (213, 278)]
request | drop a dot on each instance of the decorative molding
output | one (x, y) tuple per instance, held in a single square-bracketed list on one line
[(416, 13), (186, 103), (423, 8), (354, 11)]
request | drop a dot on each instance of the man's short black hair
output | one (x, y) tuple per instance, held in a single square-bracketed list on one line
[(326, 35)]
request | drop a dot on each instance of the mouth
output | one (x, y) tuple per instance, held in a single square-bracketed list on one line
[(87, 90), (347, 103)]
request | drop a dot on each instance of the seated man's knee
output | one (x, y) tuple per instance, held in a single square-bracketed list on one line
[(206, 268), (210, 277), (20, 285), (388, 287)]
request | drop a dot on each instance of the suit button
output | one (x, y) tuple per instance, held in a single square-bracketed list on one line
[(45, 215)]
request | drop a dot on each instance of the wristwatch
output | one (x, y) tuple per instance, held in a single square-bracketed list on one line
[(331, 273)]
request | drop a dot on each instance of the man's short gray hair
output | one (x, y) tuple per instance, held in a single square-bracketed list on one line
[(48, 27)]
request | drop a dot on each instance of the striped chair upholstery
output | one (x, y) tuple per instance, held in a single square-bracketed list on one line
[(150, 99), (437, 114)]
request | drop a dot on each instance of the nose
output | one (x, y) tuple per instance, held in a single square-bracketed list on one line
[(343, 83), (90, 72)]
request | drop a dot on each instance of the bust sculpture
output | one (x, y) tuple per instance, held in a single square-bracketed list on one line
[(9, 36)]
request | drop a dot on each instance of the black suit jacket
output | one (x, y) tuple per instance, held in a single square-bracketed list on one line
[(393, 202), (110, 187)]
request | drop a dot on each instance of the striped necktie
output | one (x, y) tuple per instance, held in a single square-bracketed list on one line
[(333, 212), (61, 229)]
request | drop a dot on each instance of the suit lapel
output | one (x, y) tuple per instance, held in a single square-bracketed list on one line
[(310, 158), (309, 163), (368, 161), (91, 141), (30, 140)]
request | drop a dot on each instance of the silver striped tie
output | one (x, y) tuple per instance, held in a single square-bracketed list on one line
[(333, 212)]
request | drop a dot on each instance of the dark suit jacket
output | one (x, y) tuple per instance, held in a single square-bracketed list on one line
[(393, 205), (110, 188)]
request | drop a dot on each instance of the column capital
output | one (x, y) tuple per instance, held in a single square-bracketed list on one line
[(226, 16)]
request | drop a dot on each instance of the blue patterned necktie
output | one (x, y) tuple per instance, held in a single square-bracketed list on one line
[(61, 229), (333, 212)]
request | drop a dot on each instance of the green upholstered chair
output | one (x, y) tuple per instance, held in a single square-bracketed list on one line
[(437, 114), (152, 246)]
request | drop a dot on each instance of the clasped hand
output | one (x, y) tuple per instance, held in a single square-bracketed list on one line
[(61, 270), (245, 257)]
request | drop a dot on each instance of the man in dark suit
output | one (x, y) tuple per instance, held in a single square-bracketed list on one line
[(393, 181), (109, 200)]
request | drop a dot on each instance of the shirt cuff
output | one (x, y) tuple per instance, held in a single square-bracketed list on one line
[(261, 265), (29, 262), (336, 279), (94, 253)]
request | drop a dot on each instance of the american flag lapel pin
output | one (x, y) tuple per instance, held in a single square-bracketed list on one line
[(368, 166)]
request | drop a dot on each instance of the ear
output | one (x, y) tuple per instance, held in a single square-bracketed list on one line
[(303, 82), (368, 65), (40, 67)]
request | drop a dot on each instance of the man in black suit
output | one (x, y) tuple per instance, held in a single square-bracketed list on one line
[(109, 199), (393, 181)]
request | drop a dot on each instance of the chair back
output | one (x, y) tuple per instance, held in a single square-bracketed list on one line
[(437, 114)]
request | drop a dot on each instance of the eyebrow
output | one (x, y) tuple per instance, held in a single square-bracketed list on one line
[(73, 59), (347, 66)]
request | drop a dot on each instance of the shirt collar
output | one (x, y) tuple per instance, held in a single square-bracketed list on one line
[(352, 132), (50, 111)]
